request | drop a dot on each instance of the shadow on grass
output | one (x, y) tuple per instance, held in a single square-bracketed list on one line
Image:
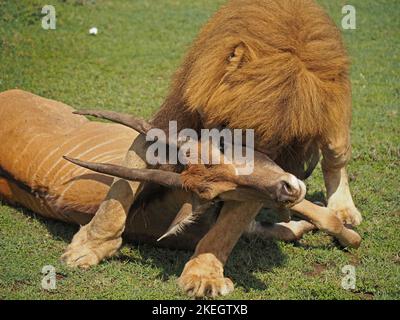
[(318, 196), (249, 257), (58, 229)]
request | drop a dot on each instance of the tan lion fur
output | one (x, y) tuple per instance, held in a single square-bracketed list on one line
[(278, 67)]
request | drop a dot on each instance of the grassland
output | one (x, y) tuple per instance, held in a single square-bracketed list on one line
[(127, 67)]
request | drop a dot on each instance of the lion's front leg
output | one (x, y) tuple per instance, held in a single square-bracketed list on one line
[(102, 237), (339, 197), (203, 275), (336, 155)]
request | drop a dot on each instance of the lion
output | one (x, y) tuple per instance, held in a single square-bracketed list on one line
[(279, 67), (276, 66)]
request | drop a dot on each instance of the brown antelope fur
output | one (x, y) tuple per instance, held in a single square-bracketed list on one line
[(276, 66), (35, 134)]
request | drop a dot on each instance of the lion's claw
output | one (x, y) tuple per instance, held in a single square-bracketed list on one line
[(81, 257), (203, 286), (203, 276), (85, 250), (349, 216)]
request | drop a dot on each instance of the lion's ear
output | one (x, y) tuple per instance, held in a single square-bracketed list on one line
[(239, 56)]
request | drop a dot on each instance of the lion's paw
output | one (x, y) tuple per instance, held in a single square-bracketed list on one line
[(81, 257), (203, 286), (350, 215), (203, 276), (87, 250)]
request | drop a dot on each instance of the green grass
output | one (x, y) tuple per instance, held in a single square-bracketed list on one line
[(127, 67)]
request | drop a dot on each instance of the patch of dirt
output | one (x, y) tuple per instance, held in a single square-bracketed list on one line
[(354, 259), (19, 284), (365, 295), (317, 270), (396, 213), (60, 276), (352, 177)]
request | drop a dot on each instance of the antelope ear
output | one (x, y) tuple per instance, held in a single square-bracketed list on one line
[(240, 55)]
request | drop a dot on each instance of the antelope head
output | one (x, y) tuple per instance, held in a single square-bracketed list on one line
[(268, 183)]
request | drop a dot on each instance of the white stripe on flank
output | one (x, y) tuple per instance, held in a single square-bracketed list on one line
[(61, 197), (82, 171), (21, 154), (48, 156), (74, 172), (60, 159), (79, 156)]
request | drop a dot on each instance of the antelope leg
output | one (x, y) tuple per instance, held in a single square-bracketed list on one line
[(285, 231), (326, 220)]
